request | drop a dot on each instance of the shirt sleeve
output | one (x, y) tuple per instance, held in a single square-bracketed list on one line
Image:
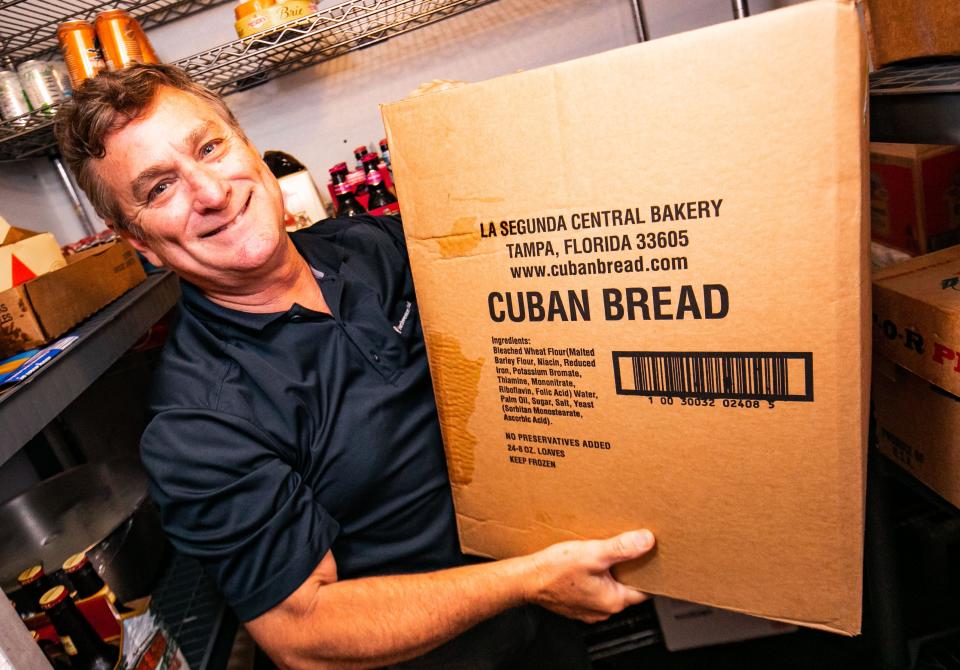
[(228, 499)]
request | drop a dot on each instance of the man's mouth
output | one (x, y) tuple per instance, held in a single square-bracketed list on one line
[(229, 223)]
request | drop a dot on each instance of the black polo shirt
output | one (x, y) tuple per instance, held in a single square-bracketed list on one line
[(278, 437)]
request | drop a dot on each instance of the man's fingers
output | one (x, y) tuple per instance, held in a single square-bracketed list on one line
[(625, 546), (633, 597)]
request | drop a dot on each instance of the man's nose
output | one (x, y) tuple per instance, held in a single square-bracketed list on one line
[(211, 190)]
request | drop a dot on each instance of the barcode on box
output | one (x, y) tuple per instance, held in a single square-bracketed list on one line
[(773, 376)]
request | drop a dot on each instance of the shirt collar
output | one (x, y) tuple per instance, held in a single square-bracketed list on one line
[(323, 258)]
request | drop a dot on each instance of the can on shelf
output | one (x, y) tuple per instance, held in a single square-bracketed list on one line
[(146, 48), (79, 48), (122, 39), (43, 84), (13, 102)]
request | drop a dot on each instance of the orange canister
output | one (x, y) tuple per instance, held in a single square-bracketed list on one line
[(122, 39), (78, 44)]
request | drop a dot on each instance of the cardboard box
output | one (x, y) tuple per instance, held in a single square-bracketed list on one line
[(916, 316), (903, 29), (44, 308), (917, 427), (915, 196), (25, 254), (689, 625), (695, 357)]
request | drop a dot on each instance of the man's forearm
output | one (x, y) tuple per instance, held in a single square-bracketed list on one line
[(381, 620)]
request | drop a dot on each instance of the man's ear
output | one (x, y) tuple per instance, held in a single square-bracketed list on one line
[(137, 244)]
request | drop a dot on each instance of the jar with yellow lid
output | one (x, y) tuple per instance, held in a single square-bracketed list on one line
[(254, 16), (292, 10)]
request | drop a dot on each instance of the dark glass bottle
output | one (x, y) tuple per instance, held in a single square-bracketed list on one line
[(55, 653), (385, 152), (34, 582), (281, 163), (358, 154), (339, 168), (86, 648), (81, 574), (371, 163), (380, 199), (347, 204), (87, 582)]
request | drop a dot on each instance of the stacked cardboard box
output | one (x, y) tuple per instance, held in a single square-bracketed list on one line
[(906, 29), (915, 196), (916, 380), (44, 307)]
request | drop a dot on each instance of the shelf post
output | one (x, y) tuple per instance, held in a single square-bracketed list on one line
[(640, 19), (74, 196)]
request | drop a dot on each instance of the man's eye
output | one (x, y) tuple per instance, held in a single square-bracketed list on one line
[(208, 148), (157, 190)]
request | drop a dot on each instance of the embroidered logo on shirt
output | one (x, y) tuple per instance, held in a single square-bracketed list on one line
[(403, 319)]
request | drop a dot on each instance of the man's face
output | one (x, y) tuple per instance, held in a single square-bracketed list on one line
[(208, 206)]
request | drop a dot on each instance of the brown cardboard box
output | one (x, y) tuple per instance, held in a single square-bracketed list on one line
[(915, 196), (916, 316), (43, 308), (903, 29), (25, 254), (695, 356), (917, 427)]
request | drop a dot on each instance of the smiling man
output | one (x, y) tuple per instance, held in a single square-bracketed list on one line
[(294, 447)]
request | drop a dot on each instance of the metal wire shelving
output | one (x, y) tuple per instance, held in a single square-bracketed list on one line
[(28, 28), (251, 61)]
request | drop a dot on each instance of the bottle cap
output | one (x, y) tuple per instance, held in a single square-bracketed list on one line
[(360, 150), (383, 142), (54, 596), (30, 575), (370, 157), (75, 562), (338, 167)]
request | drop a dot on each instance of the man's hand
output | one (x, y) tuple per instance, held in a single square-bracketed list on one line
[(574, 579)]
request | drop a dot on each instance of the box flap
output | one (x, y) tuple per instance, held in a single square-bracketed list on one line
[(11, 234)]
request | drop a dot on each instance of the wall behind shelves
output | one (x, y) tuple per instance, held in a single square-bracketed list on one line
[(320, 113)]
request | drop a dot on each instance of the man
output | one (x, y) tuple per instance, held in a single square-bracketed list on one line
[(294, 446)]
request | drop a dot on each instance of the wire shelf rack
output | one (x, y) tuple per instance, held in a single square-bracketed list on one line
[(327, 34), (935, 77), (28, 28), (27, 136), (251, 61)]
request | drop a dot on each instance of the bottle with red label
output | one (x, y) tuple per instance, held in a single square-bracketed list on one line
[(347, 204), (379, 199)]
